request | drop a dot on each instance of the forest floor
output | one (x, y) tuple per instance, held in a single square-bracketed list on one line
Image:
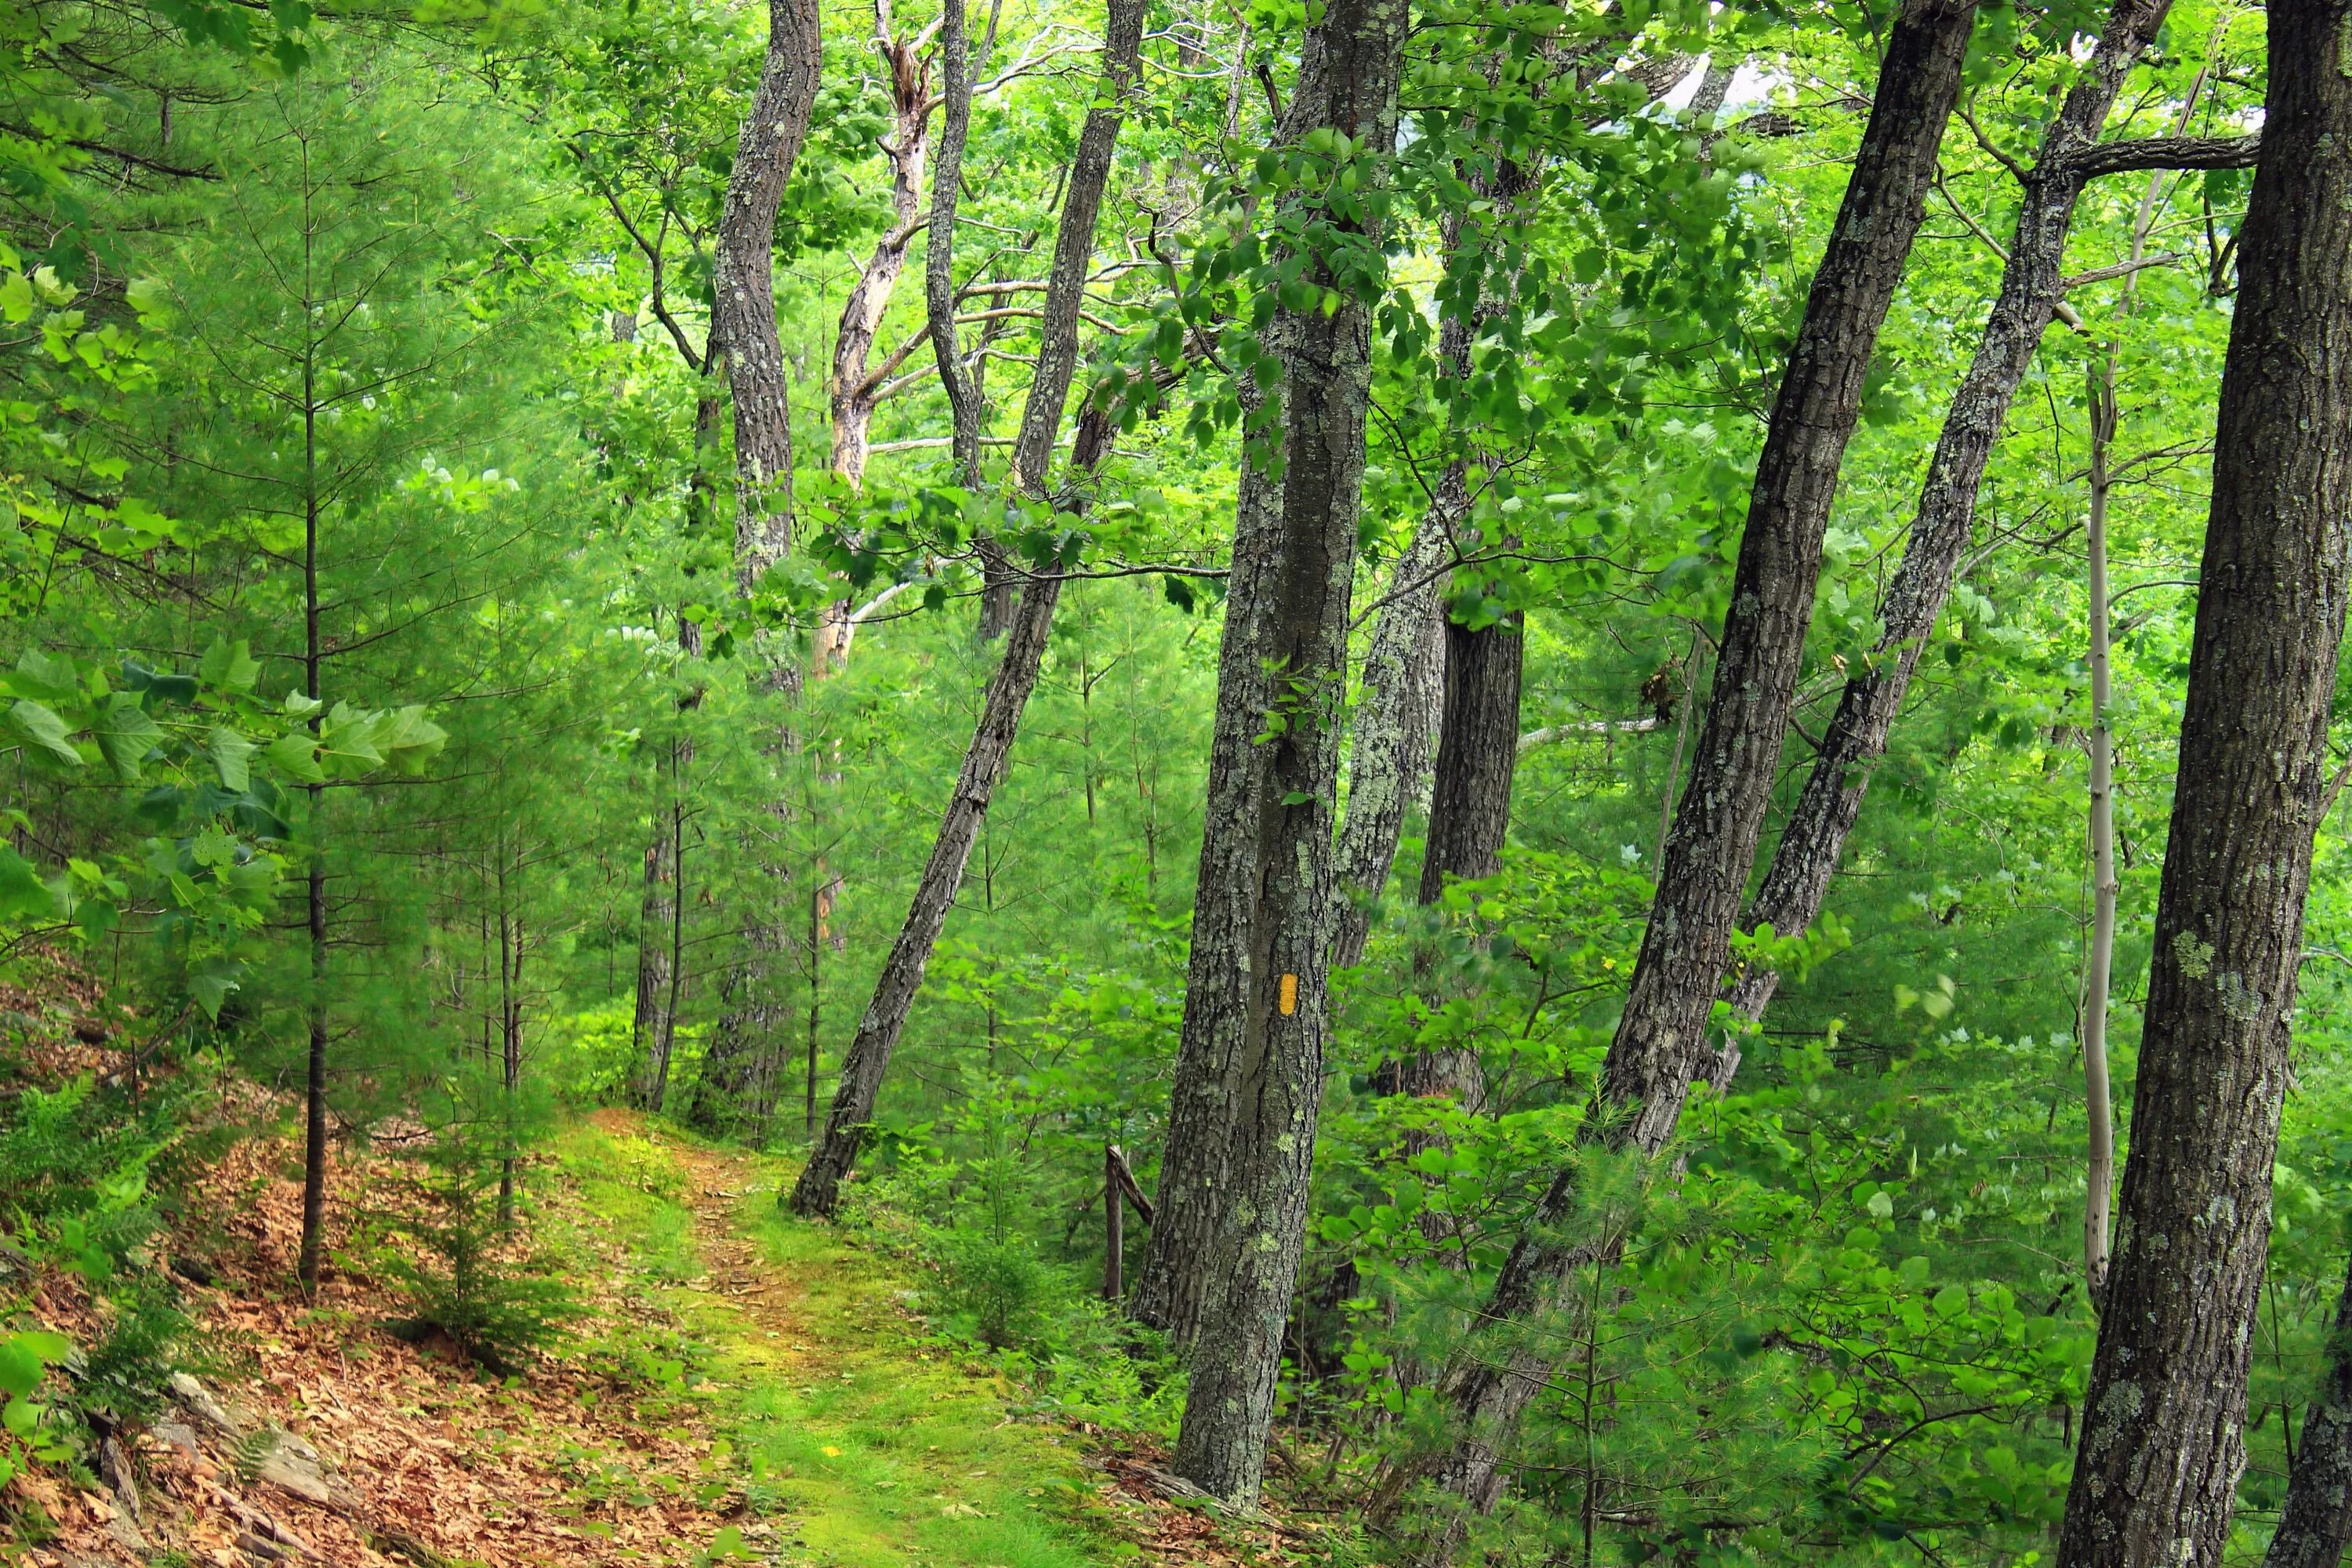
[(750, 1388)]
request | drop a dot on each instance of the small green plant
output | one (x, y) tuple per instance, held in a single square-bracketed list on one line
[(462, 1272)]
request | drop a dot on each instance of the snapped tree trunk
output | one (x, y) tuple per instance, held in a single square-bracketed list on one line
[(2315, 1526), (2031, 292), (1230, 1221), (2155, 1477), (1656, 1049), (818, 1190)]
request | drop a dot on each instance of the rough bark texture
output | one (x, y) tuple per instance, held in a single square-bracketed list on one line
[(1396, 715), (819, 1187), (1074, 249), (1704, 876), (862, 1070), (1478, 742), (2155, 1479), (1656, 1050), (743, 296), (1230, 1217), (2316, 1523), (938, 252), (2098, 1111), (2031, 289)]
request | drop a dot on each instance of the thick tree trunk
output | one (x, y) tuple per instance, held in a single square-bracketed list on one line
[(818, 1189), (2155, 1479), (2316, 1524), (1470, 804), (1656, 1049), (1231, 1217), (2031, 292), (743, 293)]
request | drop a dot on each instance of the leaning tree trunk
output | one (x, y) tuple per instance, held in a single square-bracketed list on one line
[(2315, 1526), (852, 390), (818, 1189), (1656, 1049), (2156, 1477), (1231, 1222), (2031, 292)]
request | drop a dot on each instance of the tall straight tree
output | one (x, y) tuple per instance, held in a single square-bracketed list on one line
[(1655, 1052), (1232, 1215), (2157, 1473), (2031, 291), (1016, 676)]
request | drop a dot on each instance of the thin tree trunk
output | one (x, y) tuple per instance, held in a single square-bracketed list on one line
[(1402, 687), (2031, 292), (2315, 1526), (1231, 1220), (1074, 249), (818, 1189), (314, 1085), (2097, 1106), (852, 389), (652, 1029), (1656, 1049), (2156, 1477)]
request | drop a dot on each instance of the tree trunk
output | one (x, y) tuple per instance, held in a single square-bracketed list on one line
[(2155, 1479), (2316, 1524), (938, 255), (2099, 1172), (1231, 1220), (2031, 292), (653, 1029), (1470, 804), (1074, 249), (818, 1189), (1704, 875), (852, 389), (1396, 714), (743, 293), (1656, 1049)]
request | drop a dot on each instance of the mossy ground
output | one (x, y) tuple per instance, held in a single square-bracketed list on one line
[(860, 1438)]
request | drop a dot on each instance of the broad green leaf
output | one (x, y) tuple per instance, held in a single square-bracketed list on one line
[(40, 725)]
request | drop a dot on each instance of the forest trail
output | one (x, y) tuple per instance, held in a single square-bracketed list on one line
[(882, 1451)]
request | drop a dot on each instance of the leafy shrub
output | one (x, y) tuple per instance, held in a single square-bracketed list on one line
[(998, 1287)]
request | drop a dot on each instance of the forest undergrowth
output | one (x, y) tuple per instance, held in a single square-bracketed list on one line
[(736, 1386)]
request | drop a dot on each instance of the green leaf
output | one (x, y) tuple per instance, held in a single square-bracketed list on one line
[(229, 666), (232, 755), (294, 755), (40, 725), (126, 733), (23, 895)]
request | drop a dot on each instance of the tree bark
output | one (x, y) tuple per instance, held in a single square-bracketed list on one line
[(1230, 1217), (1704, 874), (2155, 1479), (2099, 1167), (743, 293), (1402, 687), (853, 390), (818, 1190), (939, 254), (2315, 1526), (1074, 249), (1656, 1049), (2031, 291), (653, 1029), (1470, 804)]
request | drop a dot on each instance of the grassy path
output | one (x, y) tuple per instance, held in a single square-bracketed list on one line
[(870, 1443)]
